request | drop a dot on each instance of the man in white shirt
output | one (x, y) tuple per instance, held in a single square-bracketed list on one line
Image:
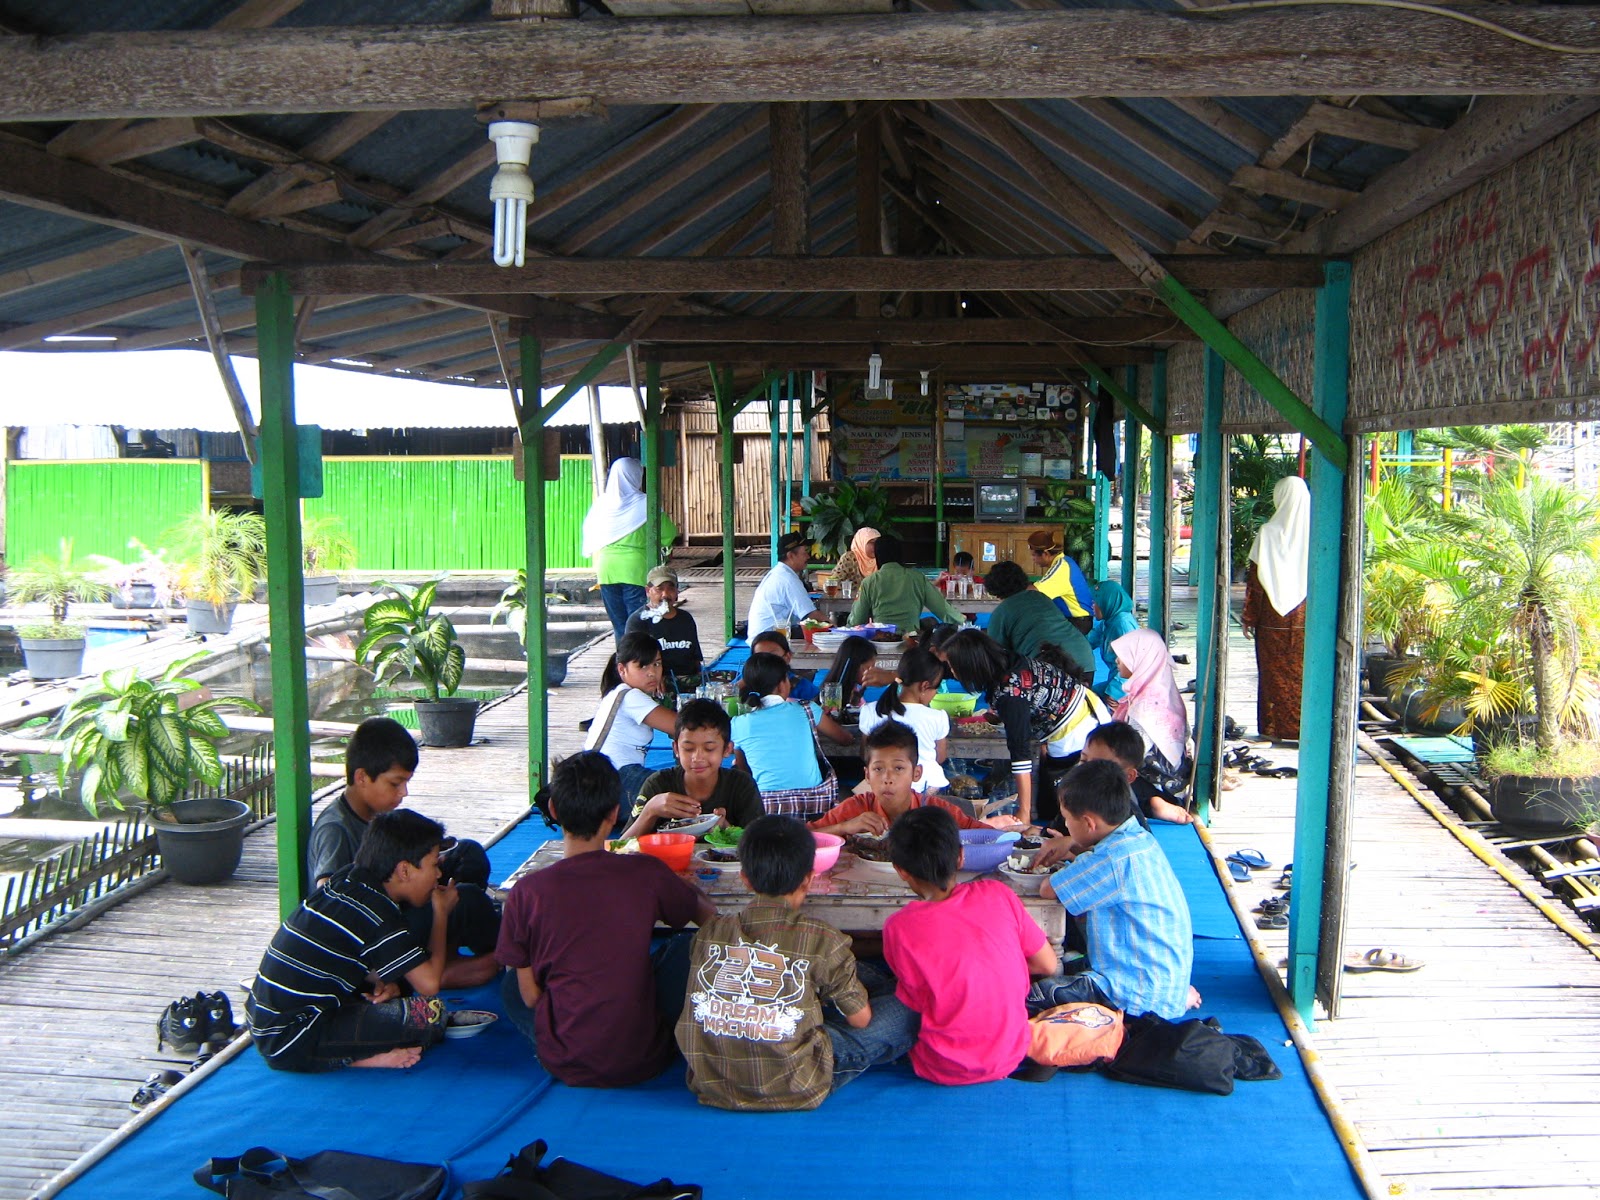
[(781, 598)]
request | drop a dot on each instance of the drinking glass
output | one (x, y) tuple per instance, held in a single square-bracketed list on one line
[(832, 698)]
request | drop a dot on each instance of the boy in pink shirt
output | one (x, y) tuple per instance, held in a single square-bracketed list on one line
[(963, 955)]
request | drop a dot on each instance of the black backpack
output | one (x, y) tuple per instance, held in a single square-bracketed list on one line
[(1195, 1056), (526, 1178)]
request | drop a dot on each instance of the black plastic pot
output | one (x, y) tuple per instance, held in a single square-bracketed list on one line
[(1536, 804), (320, 589), (1379, 665), (203, 840), (447, 722), (1410, 706), (555, 668), (140, 595), (205, 617)]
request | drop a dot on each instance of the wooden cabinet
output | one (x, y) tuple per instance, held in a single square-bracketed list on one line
[(992, 543)]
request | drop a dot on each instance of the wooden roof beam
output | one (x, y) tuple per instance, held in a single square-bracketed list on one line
[(895, 358), (1072, 52), (106, 314), (900, 331), (615, 276), (20, 279)]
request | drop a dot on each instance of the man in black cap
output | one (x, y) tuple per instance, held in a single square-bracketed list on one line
[(782, 598), (673, 627)]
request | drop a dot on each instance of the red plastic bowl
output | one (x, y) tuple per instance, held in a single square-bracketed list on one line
[(673, 849)]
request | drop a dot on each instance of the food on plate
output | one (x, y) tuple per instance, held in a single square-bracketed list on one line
[(1023, 864), (720, 855), (871, 849), (725, 835)]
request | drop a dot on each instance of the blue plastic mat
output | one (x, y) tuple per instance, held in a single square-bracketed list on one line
[(472, 1103)]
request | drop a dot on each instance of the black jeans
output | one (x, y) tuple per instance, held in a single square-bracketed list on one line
[(362, 1029)]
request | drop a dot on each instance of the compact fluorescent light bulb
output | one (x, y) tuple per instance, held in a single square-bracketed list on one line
[(511, 189), (874, 369)]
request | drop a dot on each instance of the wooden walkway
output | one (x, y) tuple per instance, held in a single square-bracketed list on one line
[(1475, 1076)]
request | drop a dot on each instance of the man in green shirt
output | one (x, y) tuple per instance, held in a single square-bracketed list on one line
[(1026, 619), (896, 595)]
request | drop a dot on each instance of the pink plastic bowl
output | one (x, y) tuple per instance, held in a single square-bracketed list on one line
[(673, 849), (828, 846)]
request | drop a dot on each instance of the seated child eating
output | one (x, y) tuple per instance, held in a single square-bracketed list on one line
[(753, 1029), (583, 986), (963, 954), (777, 742), (890, 752), (327, 993), (1121, 743), (630, 712), (698, 784), (1136, 920), (378, 765), (906, 700)]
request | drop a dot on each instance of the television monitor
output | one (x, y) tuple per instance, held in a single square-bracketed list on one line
[(1004, 501)]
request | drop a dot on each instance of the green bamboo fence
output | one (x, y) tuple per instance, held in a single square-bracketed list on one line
[(450, 514), (99, 505)]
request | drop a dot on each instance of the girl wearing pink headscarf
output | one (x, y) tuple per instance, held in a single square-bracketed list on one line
[(1151, 702), (856, 563)]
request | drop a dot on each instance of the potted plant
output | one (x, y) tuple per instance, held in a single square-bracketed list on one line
[(148, 583), (402, 638), (151, 739), (222, 555), (1533, 566), (1409, 581), (513, 609), (325, 547), (54, 649), (1067, 505), (1255, 465), (837, 514)]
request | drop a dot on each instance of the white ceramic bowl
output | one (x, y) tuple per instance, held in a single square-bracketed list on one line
[(469, 1022), (696, 826)]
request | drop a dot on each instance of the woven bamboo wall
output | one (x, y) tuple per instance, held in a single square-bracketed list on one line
[(99, 505), (694, 488)]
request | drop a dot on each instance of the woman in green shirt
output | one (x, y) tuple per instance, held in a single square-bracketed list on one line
[(613, 536)]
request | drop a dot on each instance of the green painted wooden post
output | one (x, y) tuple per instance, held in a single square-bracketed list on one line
[(1102, 528), (652, 464), (772, 472), (280, 477), (533, 512), (1320, 702), (1405, 447), (1132, 445), (1211, 619), (722, 386), (790, 400), (1159, 610), (807, 413)]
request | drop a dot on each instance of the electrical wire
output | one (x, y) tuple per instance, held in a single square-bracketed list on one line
[(1434, 10)]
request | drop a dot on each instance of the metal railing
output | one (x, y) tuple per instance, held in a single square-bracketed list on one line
[(94, 868)]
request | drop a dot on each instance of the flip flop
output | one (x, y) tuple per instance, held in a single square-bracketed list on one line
[(1286, 880), (1253, 859), (1239, 871), (1273, 921), (1271, 905), (154, 1088), (1379, 959), (1257, 763), (1278, 772)]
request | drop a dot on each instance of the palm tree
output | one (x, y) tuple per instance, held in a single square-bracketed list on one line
[(1532, 559)]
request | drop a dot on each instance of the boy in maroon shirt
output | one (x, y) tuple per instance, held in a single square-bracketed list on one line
[(583, 985)]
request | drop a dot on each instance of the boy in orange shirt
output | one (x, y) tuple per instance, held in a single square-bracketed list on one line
[(890, 752)]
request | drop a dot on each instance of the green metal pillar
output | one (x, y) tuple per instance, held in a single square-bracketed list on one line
[(652, 464), (538, 643), (1102, 529), (788, 447), (280, 486), (1132, 445), (722, 386), (1159, 609), (1405, 447), (807, 414), (772, 429), (1326, 707), (1210, 509)]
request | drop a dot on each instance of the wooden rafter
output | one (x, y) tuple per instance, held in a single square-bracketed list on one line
[(1087, 52), (206, 302), (900, 331)]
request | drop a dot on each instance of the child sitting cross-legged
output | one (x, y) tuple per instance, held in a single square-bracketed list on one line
[(1136, 919), (963, 955), (327, 994), (753, 1028), (777, 740), (584, 986), (891, 755), (698, 784)]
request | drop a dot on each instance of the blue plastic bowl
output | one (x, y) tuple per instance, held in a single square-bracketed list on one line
[(984, 856), (979, 837)]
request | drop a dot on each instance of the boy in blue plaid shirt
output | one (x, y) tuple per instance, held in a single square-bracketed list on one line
[(1119, 883)]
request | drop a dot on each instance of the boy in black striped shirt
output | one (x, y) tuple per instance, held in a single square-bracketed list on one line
[(327, 994)]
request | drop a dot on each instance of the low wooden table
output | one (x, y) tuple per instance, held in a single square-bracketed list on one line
[(838, 608), (847, 904)]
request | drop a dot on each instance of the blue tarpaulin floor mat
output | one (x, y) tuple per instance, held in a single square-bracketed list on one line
[(1448, 749), (473, 1103)]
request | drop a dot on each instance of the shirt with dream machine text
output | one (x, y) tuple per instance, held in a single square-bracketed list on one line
[(320, 958), (752, 1023)]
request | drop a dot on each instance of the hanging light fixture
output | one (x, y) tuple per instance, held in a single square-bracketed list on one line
[(925, 375), (511, 189), (874, 370)]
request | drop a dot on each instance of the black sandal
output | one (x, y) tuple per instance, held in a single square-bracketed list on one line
[(154, 1088)]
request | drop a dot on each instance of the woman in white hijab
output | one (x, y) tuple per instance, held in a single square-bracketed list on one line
[(1275, 609), (613, 536)]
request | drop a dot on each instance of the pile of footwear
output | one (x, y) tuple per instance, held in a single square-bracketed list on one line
[(1244, 757), (197, 1025)]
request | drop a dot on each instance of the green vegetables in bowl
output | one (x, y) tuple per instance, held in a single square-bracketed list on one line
[(726, 836)]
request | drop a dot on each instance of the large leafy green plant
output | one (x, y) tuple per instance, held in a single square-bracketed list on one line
[(58, 582), (1255, 464), (1527, 606), (147, 738), (837, 514), (1064, 503), (513, 606), (402, 638), (222, 554)]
